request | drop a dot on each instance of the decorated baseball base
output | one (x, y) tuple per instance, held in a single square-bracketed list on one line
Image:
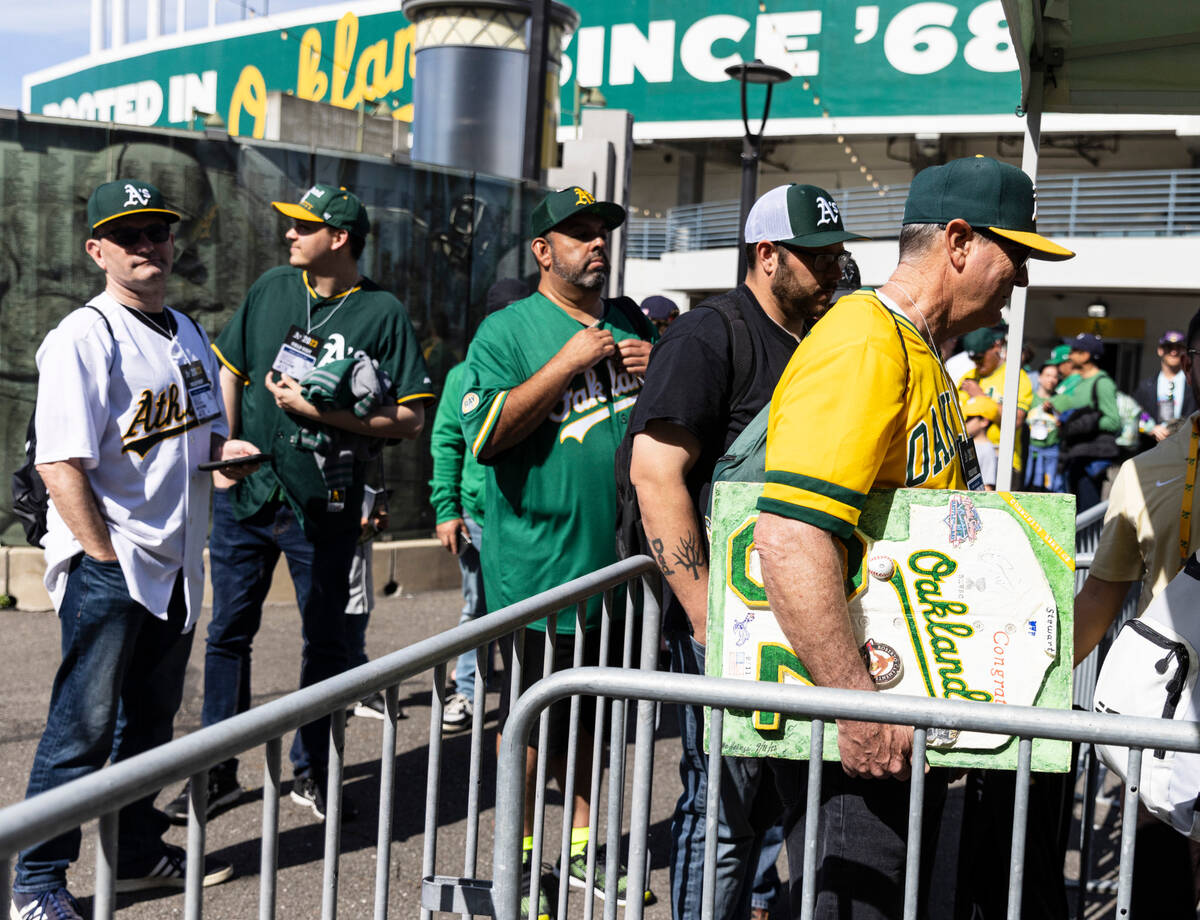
[(953, 595)]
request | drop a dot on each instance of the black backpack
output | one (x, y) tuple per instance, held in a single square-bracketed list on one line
[(630, 535), (29, 497)]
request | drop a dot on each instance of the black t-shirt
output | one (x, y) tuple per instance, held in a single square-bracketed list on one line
[(689, 382)]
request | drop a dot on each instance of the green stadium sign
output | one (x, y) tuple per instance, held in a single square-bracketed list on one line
[(664, 60)]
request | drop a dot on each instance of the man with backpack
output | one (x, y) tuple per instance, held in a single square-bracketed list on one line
[(1149, 533), (1089, 423), (129, 406), (711, 373)]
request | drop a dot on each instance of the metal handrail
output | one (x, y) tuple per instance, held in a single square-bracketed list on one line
[(817, 703), (1125, 203), (104, 793)]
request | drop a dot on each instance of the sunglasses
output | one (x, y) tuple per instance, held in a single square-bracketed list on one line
[(1016, 253), (820, 261), (128, 236)]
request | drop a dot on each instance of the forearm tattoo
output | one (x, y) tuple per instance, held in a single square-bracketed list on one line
[(657, 546), (689, 555)]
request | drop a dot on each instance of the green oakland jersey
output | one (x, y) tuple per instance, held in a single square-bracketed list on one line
[(366, 319), (551, 499)]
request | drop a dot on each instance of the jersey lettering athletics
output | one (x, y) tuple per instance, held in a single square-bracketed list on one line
[(588, 406), (158, 416), (863, 404)]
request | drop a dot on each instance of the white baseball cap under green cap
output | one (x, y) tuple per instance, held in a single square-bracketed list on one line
[(799, 215)]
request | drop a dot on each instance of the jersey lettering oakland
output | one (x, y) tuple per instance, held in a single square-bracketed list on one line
[(863, 404), (583, 400)]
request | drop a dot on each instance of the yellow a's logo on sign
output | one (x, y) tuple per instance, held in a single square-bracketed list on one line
[(583, 197)]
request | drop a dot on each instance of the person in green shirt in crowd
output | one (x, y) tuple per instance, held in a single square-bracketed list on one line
[(547, 393), (1088, 422), (1043, 434), (309, 316), (457, 492)]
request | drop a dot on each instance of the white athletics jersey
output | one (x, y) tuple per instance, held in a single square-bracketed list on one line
[(118, 403)]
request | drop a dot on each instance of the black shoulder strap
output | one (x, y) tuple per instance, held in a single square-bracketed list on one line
[(634, 314), (741, 350)]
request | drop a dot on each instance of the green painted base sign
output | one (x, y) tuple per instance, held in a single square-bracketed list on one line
[(952, 595)]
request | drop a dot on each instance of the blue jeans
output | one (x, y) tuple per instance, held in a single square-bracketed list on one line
[(1085, 477), (1043, 470), (750, 806), (474, 605), (115, 655), (767, 885), (242, 558)]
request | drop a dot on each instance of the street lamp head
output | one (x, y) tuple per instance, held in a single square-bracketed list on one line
[(757, 72)]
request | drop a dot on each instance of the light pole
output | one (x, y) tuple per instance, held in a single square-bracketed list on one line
[(752, 72)]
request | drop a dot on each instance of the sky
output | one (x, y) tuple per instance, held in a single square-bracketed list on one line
[(41, 34)]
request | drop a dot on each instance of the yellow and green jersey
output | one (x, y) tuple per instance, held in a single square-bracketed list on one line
[(863, 404), (993, 387)]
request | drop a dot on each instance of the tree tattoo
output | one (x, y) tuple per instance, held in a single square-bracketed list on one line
[(688, 555), (657, 546)]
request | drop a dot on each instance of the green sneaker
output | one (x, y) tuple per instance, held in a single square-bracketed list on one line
[(543, 911), (577, 877)]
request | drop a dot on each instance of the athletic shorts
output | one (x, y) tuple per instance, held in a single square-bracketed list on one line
[(563, 659)]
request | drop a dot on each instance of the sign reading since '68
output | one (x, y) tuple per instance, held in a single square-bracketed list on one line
[(952, 595)]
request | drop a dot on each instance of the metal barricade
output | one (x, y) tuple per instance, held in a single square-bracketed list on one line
[(102, 794), (821, 704)]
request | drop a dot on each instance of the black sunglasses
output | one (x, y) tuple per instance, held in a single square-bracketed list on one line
[(128, 236), (821, 261), (1017, 253)]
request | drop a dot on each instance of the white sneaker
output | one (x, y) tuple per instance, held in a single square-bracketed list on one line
[(458, 712)]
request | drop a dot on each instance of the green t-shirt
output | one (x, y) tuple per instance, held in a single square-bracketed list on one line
[(366, 319), (551, 499)]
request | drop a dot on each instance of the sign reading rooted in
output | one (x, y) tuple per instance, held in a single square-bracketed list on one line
[(951, 595)]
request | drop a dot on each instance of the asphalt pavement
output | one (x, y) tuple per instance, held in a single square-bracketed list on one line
[(28, 671)]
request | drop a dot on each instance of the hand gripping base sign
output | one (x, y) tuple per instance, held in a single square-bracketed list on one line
[(952, 595)]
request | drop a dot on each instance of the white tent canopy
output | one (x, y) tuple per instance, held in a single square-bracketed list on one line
[(1097, 56)]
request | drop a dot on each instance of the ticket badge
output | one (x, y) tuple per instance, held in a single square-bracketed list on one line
[(201, 397), (298, 354), (969, 461)]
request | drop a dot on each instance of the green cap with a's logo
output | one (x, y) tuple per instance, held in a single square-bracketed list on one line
[(328, 204), (985, 193), (558, 206), (799, 215), (126, 196)]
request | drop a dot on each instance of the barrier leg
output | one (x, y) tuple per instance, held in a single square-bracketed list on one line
[(433, 778), (269, 862), (104, 901), (916, 814), (708, 894), (1016, 864), (197, 822), (812, 819), (333, 813), (387, 801), (1128, 832)]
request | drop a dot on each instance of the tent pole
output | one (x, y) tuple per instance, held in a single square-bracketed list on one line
[(1016, 308)]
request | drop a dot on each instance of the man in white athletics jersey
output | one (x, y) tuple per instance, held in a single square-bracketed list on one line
[(128, 407)]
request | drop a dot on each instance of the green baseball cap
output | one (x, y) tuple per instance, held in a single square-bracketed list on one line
[(567, 202), (126, 196), (331, 205), (799, 215), (985, 193), (979, 341), (1060, 354)]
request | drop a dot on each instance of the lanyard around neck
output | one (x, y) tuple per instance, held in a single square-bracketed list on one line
[(1189, 494)]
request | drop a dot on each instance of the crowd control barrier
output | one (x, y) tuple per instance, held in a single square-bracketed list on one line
[(104, 793), (821, 704)]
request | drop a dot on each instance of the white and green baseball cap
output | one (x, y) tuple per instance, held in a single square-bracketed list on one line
[(799, 215)]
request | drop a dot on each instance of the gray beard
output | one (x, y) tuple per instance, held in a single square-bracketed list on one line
[(584, 280)]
